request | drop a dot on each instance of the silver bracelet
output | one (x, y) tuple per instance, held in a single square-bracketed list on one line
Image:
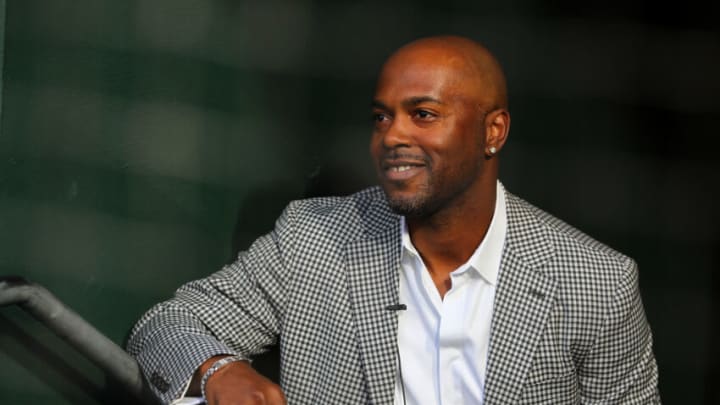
[(215, 367)]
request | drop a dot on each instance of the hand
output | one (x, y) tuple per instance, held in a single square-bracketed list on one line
[(237, 383)]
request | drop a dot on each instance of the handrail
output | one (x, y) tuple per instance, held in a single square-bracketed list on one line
[(72, 328)]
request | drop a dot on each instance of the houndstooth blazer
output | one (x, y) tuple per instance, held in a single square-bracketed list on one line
[(568, 324)]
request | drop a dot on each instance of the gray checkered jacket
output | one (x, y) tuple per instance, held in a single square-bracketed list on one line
[(568, 324)]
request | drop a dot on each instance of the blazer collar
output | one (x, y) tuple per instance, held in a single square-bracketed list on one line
[(372, 260), (523, 300)]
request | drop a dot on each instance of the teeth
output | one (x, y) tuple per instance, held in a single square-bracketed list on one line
[(401, 168)]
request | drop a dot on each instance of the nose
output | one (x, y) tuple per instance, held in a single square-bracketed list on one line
[(397, 134)]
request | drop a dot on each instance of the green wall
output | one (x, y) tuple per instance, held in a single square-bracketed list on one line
[(143, 143)]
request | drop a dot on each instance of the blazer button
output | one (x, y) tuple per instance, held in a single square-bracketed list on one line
[(159, 382)]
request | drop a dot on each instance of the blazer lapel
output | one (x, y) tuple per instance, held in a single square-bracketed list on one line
[(523, 301), (373, 262)]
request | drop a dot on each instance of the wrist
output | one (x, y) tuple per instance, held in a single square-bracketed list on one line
[(209, 368)]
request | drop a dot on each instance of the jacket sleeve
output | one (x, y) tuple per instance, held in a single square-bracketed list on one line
[(620, 367), (238, 310)]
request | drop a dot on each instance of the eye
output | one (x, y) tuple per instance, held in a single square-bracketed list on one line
[(379, 118), (424, 115)]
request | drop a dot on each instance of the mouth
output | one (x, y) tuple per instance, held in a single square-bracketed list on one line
[(401, 170)]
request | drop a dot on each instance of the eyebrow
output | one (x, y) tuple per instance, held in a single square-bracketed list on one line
[(378, 104), (412, 101)]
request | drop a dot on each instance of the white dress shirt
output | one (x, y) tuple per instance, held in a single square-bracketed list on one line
[(443, 343)]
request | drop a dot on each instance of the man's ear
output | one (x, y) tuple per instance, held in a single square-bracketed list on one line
[(497, 127)]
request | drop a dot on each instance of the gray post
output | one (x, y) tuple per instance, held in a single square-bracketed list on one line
[(82, 336)]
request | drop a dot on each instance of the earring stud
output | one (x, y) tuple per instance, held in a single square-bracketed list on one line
[(492, 150)]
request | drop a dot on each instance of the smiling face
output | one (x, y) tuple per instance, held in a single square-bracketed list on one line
[(431, 112)]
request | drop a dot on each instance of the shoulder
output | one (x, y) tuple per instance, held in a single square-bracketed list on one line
[(363, 211), (592, 280), (588, 273), (357, 202), (597, 315), (567, 241)]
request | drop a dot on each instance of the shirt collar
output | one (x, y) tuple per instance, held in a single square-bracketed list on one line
[(485, 261)]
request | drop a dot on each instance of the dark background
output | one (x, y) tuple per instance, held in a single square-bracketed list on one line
[(142, 143)]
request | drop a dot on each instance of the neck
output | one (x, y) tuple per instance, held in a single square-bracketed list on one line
[(449, 237)]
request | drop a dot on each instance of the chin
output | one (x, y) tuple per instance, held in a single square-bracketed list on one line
[(408, 206), (409, 203)]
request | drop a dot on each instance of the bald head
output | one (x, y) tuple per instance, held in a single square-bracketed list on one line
[(475, 66), (440, 120)]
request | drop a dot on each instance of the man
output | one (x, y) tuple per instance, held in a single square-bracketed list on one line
[(440, 288)]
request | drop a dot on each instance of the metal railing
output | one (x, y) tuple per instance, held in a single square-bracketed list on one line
[(71, 327)]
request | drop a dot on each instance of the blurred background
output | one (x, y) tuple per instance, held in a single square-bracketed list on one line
[(144, 143)]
